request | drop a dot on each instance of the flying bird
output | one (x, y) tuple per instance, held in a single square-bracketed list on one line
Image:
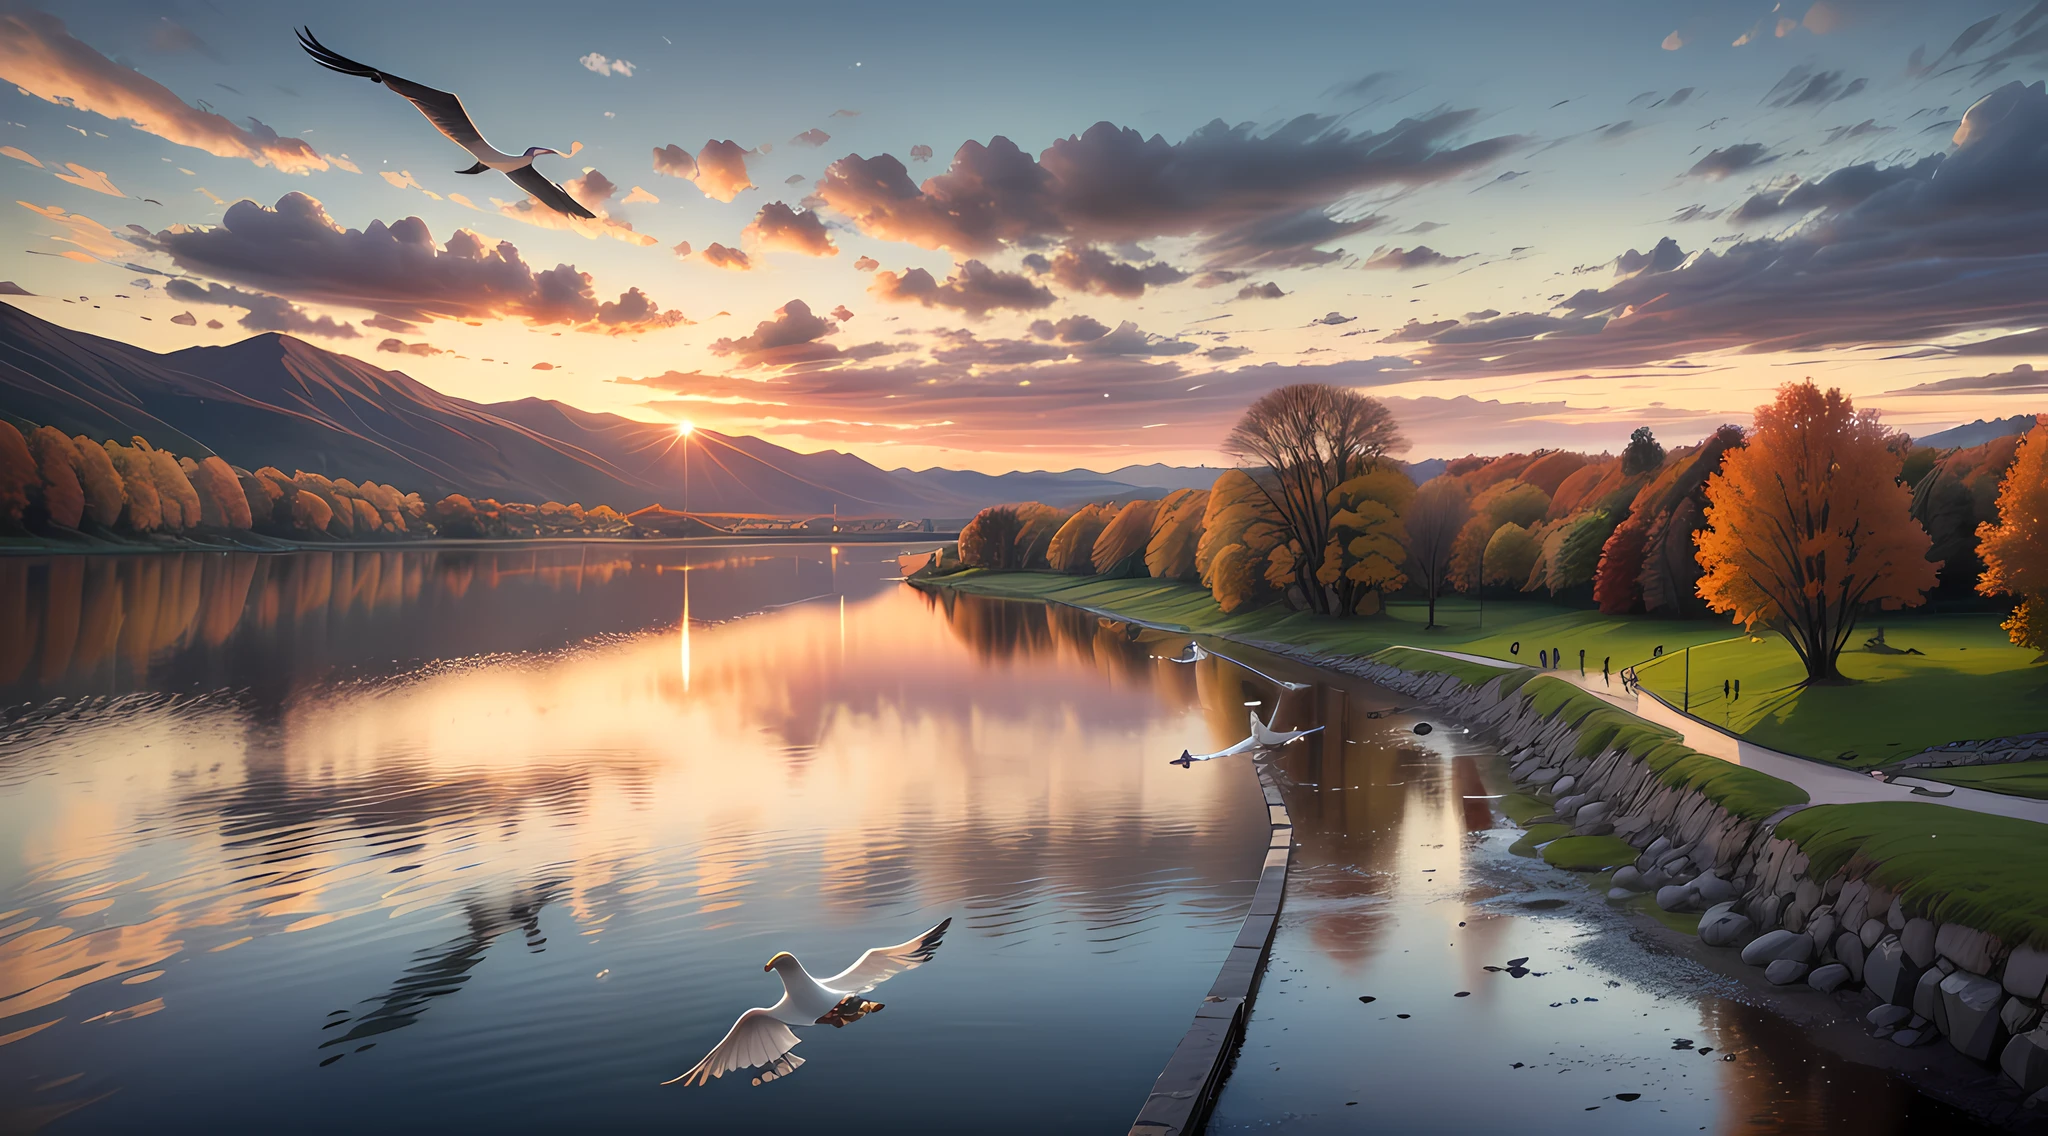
[(762, 1036), (1195, 653), (1263, 737), (445, 111)]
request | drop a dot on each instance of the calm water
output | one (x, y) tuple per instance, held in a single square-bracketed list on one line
[(421, 840)]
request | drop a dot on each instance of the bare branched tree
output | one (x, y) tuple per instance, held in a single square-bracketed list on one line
[(1441, 508), (1313, 437)]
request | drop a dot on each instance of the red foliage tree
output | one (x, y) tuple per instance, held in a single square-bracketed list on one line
[(1618, 582)]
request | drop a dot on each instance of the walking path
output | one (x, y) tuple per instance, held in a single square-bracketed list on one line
[(1825, 784)]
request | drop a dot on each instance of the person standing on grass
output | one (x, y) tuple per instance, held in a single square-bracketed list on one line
[(1582, 662)]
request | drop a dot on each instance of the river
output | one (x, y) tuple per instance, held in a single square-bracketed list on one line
[(432, 839)]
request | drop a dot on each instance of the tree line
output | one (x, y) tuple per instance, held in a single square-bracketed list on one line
[(57, 485), (1815, 515)]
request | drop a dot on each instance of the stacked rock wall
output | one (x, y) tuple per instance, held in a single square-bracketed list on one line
[(1930, 981)]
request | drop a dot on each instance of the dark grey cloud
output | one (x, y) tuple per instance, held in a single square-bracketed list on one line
[(1254, 197), (1803, 85), (1867, 128), (1949, 245), (1072, 329), (791, 336), (1334, 319), (1732, 160), (401, 347), (263, 312), (813, 138), (294, 250), (1266, 291), (920, 153), (1839, 190), (1090, 269), (974, 288)]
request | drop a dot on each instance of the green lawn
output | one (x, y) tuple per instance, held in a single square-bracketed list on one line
[(2018, 779), (1948, 864), (1969, 682)]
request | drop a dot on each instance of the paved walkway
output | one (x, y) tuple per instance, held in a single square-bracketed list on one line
[(1825, 784)]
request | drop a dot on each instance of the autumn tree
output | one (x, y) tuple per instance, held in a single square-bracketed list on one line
[(1577, 555), (1072, 550), (1238, 515), (990, 540), (2015, 550), (63, 499), (180, 504), (1808, 526), (1363, 555), (1439, 511), (1618, 580), (144, 511), (1510, 555), (1176, 535), (1503, 503), (309, 512), (1953, 499), (1313, 438), (1040, 523), (17, 474), (1120, 550), (105, 494)]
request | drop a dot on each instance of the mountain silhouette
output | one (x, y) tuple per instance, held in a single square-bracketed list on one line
[(277, 400)]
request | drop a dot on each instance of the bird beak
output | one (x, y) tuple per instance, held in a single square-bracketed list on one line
[(766, 967)]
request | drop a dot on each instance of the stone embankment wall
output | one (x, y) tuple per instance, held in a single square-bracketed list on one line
[(1926, 981)]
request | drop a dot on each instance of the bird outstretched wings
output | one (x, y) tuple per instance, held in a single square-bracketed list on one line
[(756, 1039), (548, 193), (883, 963)]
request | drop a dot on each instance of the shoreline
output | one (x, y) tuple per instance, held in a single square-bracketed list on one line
[(1763, 873), (279, 546)]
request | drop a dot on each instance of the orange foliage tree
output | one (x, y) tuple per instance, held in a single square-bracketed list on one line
[(2015, 550), (105, 495), (1808, 526), (57, 467), (17, 474), (992, 538), (1239, 531), (1120, 550), (1176, 535), (1073, 547)]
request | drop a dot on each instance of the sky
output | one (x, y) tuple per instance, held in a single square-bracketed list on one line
[(1058, 235)]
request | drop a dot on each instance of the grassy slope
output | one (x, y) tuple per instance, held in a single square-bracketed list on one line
[(1969, 683), (1949, 864)]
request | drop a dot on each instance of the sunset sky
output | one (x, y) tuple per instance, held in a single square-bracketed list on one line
[(1055, 235)]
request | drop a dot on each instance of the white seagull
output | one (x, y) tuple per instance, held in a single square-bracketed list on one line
[(1195, 653), (445, 111), (1262, 737), (762, 1036)]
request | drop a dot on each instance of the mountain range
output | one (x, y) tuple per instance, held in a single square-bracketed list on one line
[(276, 400)]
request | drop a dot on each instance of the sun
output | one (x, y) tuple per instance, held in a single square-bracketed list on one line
[(685, 429)]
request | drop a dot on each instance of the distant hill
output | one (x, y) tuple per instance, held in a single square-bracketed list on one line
[(277, 400), (1977, 433)]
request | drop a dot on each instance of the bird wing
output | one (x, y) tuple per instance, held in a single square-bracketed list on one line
[(1267, 736), (548, 193), (1240, 747), (442, 109), (883, 963), (757, 1039)]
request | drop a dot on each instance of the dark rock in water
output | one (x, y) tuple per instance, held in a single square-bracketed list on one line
[(1403, 1017), (1517, 971), (1367, 998), (1518, 962), (1462, 994), (1423, 727), (1628, 1096), (1681, 1043)]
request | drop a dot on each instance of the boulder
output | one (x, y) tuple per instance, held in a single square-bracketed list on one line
[(1599, 827), (1723, 926), (1907, 1037), (1927, 1000), (1969, 948), (1713, 889), (1620, 893), (1677, 897), (1871, 932), (1566, 806), (1827, 978), (1890, 1017), (1657, 849), (1849, 952), (1768, 917), (1564, 785), (2025, 1060), (1971, 1003), (1895, 916), (1918, 937), (2026, 972), (2019, 1015), (1889, 973), (1543, 776), (1779, 944), (1784, 972), (1654, 878), (1630, 877), (1822, 925)]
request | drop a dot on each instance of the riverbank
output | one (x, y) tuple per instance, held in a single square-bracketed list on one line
[(1967, 683), (245, 541), (1941, 938)]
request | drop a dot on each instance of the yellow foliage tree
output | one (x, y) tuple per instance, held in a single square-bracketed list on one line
[(144, 511), (1176, 535), (1511, 555), (1237, 513), (2015, 550), (1073, 547), (1808, 526), (1362, 559)]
